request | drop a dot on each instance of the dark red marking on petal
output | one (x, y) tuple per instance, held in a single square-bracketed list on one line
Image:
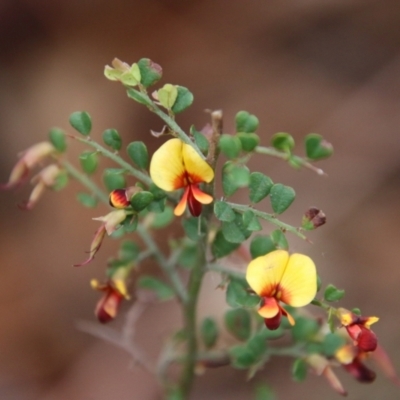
[(360, 371), (367, 340), (195, 206)]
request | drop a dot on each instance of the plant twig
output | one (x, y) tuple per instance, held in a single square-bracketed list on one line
[(270, 218)]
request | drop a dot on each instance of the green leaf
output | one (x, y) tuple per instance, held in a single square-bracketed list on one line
[(158, 193), (332, 342), (141, 98), (230, 145), (259, 186), (89, 161), (234, 177), (283, 141), (261, 245), (223, 211), (237, 295), (188, 257), (250, 221), (221, 247), (130, 223), (249, 141), (238, 323), (87, 200), (257, 344), (356, 311), (246, 122), (183, 101), (157, 206), (163, 219), (319, 283), (162, 290), (235, 231), (112, 139), (264, 392), (81, 122), (141, 200), (167, 95), (202, 143), (299, 370), (279, 240), (242, 357), (113, 178), (333, 294), (150, 72), (192, 229), (138, 153), (281, 197), (129, 251), (316, 147), (304, 329), (209, 332), (61, 181), (58, 139)]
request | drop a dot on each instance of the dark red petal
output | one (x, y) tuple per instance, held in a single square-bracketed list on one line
[(108, 305), (195, 206), (274, 322), (367, 340), (360, 371)]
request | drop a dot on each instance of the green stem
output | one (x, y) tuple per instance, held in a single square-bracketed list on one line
[(141, 230), (270, 218), (190, 313), (227, 271), (167, 119), (85, 181), (167, 267), (198, 271), (270, 151), (117, 159)]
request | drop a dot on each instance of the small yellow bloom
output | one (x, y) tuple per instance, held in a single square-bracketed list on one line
[(280, 277), (176, 165)]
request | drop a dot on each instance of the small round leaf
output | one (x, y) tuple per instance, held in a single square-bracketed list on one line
[(281, 197), (81, 121), (112, 138), (138, 153)]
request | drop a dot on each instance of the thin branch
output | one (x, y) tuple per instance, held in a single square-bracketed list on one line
[(270, 218), (270, 151)]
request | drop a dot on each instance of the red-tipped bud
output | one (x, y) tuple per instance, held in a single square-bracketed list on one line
[(108, 305), (118, 199), (313, 218)]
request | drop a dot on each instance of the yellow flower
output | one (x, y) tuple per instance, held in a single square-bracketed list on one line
[(280, 277), (176, 165)]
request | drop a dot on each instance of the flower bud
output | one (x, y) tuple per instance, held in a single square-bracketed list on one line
[(313, 218)]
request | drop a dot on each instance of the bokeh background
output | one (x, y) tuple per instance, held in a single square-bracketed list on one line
[(301, 66)]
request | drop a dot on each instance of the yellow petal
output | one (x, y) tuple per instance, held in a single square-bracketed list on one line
[(299, 281), (197, 168), (166, 167), (264, 273)]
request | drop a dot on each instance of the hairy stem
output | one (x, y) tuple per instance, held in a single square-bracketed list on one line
[(270, 218)]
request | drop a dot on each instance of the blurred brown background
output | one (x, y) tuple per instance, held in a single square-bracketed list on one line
[(301, 66)]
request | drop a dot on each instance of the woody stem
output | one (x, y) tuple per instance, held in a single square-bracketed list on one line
[(198, 271)]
